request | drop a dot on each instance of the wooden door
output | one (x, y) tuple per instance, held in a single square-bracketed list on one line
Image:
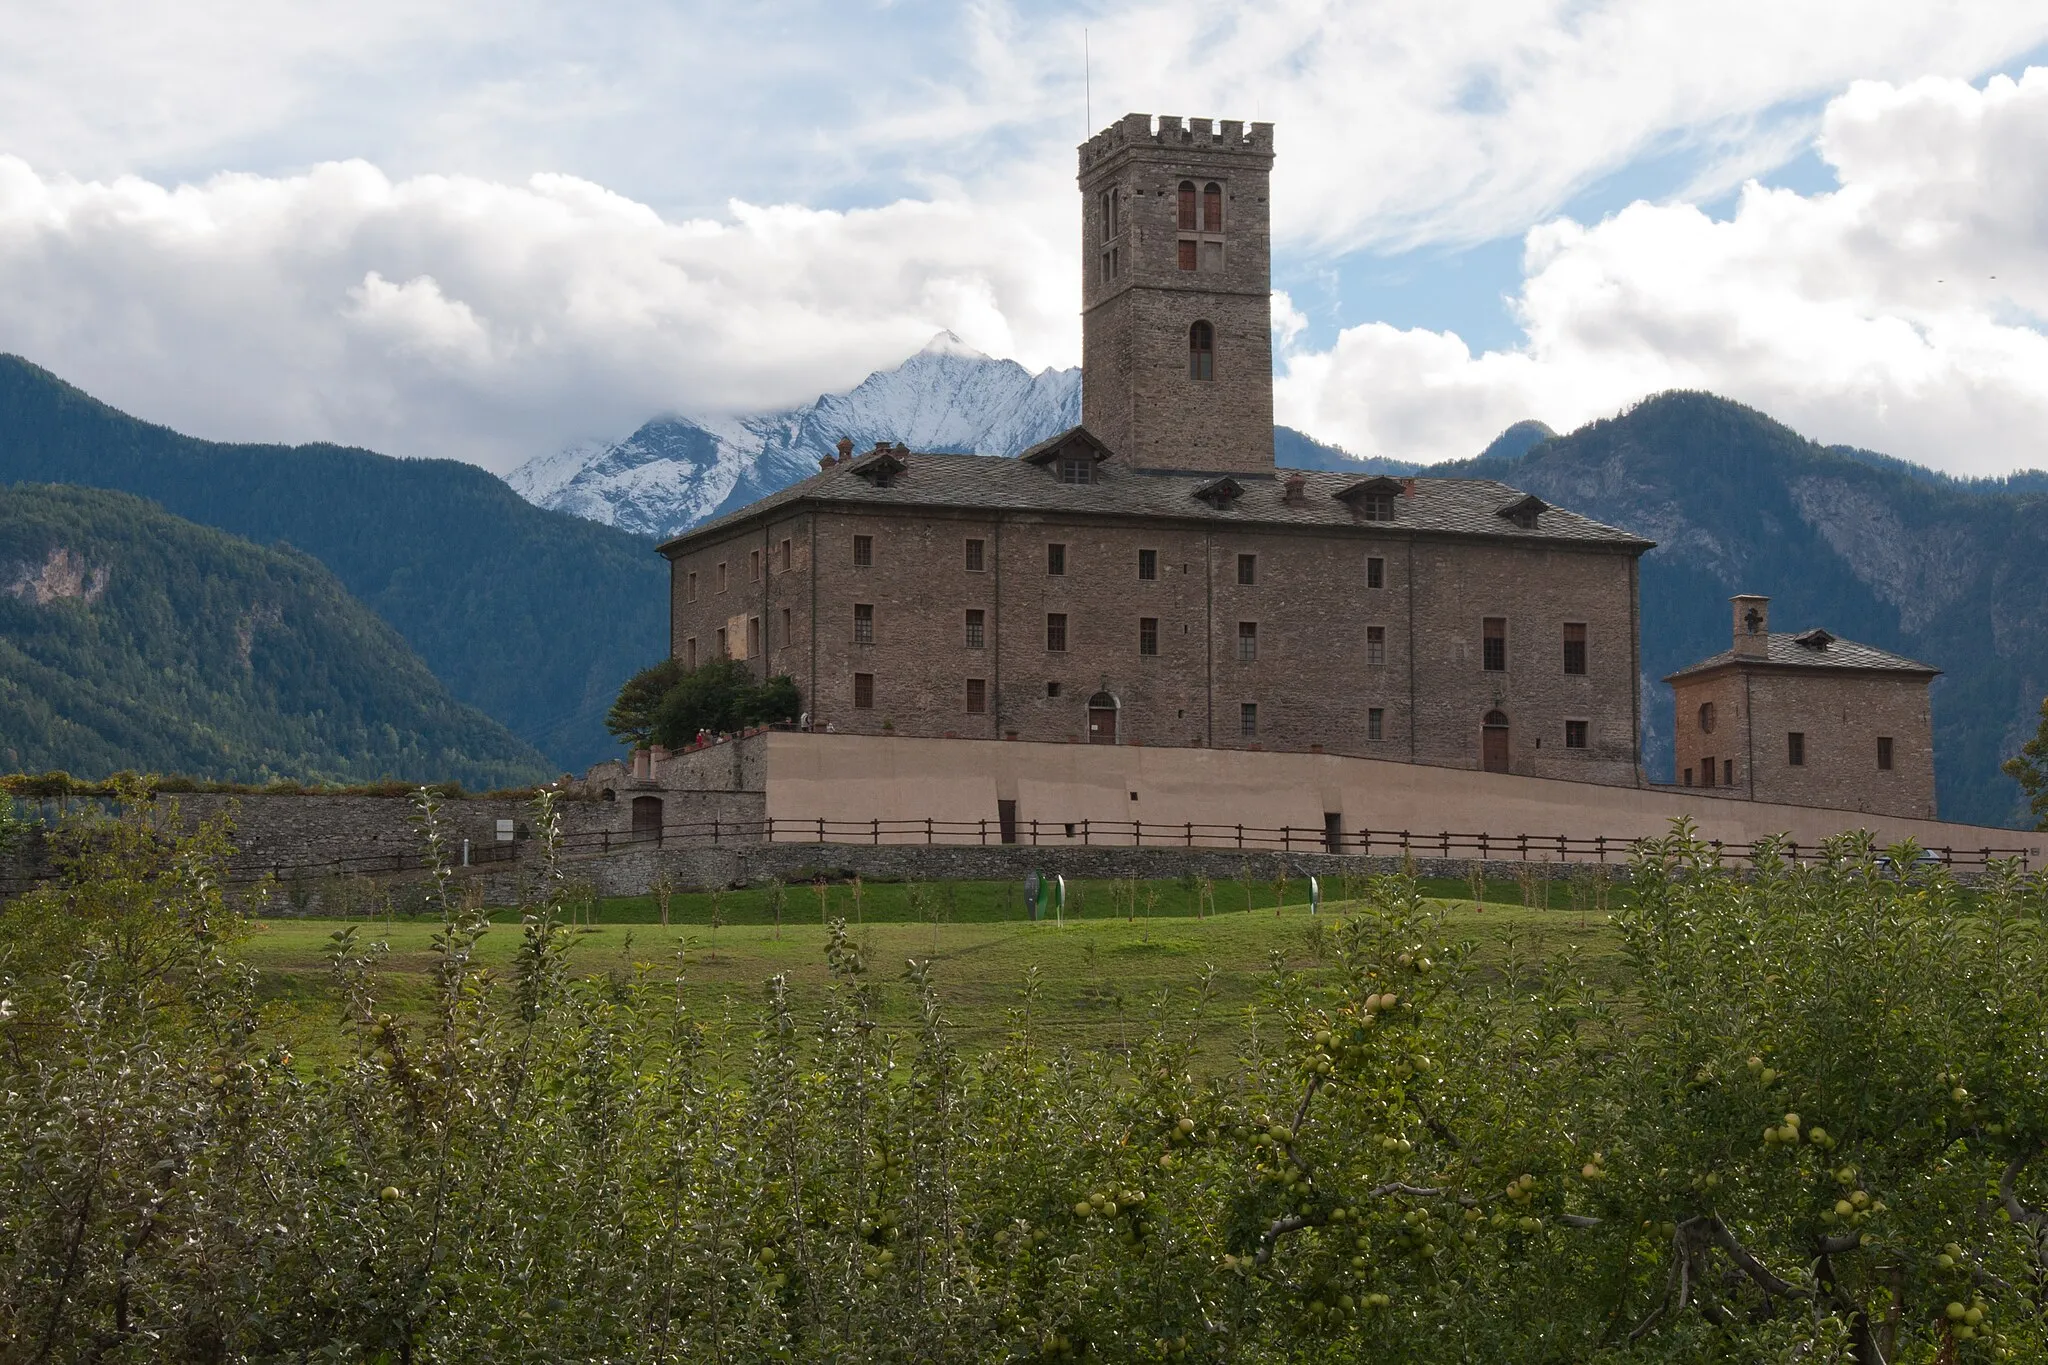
[(1493, 749), (1102, 725), (647, 819)]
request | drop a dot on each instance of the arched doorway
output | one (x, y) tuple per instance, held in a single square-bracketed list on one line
[(1102, 710), (1493, 742), (647, 819)]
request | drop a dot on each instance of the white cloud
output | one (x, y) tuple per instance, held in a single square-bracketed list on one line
[(447, 315), (1867, 315)]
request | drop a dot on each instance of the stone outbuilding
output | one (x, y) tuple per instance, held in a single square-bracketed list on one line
[(1808, 719)]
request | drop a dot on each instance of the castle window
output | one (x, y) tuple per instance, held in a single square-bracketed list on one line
[(1575, 734), (1574, 648), (974, 628), (1201, 351), (1375, 573), (1795, 748), (1247, 641), (1727, 772), (1494, 655), (1247, 569), (1077, 469), (1688, 777), (1188, 258), (788, 628), (1376, 644), (690, 588), (1056, 560), (1706, 718), (863, 623), (863, 691), (1056, 632), (1706, 772), (1187, 206), (1052, 689), (1112, 213), (1148, 635), (1148, 565), (753, 637), (974, 556), (722, 651), (754, 565), (1111, 265), (721, 575), (1884, 753), (1376, 507), (863, 551), (1376, 723), (977, 696), (690, 652), (1248, 719), (1212, 207), (785, 556)]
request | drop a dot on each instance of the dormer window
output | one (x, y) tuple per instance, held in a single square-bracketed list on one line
[(1524, 511), (1220, 493), (1201, 351), (881, 466), (1372, 499), (1077, 468), (1071, 456), (1815, 640)]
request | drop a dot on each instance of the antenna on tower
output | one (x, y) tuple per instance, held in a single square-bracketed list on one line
[(1087, 87)]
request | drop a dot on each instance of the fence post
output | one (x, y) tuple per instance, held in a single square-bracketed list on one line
[(1561, 850), (1240, 838), (1191, 834), (875, 831), (821, 829), (1137, 834), (1034, 834), (1483, 846), (714, 831), (984, 830), (1084, 832), (927, 831), (1525, 848), (1287, 838)]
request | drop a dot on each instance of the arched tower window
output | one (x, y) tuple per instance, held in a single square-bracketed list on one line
[(1212, 207), (1187, 206), (1201, 351)]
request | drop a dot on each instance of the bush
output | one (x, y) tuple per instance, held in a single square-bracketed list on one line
[(1418, 1162)]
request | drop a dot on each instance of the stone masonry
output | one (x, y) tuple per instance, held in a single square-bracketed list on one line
[(1157, 262)]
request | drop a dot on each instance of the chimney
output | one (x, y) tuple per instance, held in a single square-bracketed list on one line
[(881, 445), (1752, 626), (1294, 485), (1407, 488)]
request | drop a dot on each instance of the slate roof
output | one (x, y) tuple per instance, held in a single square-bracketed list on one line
[(981, 482), (1839, 655)]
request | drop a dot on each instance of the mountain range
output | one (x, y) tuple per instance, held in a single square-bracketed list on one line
[(675, 471), (531, 616), (130, 638), (535, 615)]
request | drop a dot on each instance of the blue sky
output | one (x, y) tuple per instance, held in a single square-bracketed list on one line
[(491, 230)]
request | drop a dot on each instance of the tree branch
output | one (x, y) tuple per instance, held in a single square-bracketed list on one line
[(2009, 1201)]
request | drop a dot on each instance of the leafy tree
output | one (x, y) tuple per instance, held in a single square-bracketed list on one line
[(668, 704), (2029, 768), (631, 718)]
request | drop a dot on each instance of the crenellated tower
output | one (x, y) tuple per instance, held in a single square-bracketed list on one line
[(1176, 330)]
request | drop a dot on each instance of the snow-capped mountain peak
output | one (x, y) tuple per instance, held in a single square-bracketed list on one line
[(677, 471)]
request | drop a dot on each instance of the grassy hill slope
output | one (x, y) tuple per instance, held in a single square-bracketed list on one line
[(132, 639), (535, 617)]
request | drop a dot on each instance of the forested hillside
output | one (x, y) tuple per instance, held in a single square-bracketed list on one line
[(132, 639), (1952, 573), (533, 616)]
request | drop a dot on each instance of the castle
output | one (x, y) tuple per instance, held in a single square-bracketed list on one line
[(1151, 579)]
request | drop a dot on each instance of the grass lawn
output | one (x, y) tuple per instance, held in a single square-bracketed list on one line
[(1100, 975)]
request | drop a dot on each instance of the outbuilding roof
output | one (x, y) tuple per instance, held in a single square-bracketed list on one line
[(1812, 649), (984, 483)]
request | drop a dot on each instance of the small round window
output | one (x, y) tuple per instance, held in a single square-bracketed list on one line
[(1706, 718)]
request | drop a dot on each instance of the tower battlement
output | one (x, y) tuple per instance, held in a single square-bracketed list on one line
[(1176, 134)]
